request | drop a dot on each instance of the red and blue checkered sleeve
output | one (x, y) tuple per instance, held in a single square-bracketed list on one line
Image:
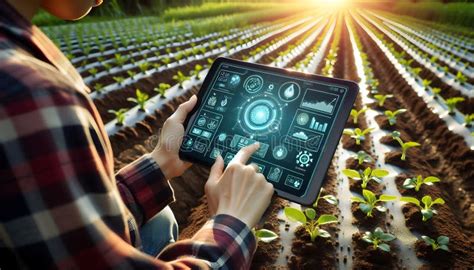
[(224, 242), (144, 188)]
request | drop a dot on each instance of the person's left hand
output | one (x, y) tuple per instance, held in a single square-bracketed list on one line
[(166, 153)]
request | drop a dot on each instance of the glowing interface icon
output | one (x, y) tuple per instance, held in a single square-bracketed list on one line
[(302, 119), (234, 80), (304, 159), (289, 91), (280, 152), (260, 115), (253, 84)]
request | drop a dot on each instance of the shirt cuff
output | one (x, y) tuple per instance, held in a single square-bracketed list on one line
[(234, 236), (150, 189)]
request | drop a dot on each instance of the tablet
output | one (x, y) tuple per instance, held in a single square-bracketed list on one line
[(298, 119)]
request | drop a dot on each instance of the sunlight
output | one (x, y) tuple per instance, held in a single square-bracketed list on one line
[(332, 3)]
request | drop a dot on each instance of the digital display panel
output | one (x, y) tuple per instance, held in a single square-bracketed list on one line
[(291, 117)]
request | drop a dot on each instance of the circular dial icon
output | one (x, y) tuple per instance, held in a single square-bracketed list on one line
[(289, 91), (253, 84), (260, 115)]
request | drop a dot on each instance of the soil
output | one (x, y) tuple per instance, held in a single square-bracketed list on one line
[(383, 122), (365, 257)]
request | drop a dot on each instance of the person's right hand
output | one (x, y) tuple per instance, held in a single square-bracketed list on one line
[(240, 191)]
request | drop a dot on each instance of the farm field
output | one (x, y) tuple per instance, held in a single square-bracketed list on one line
[(401, 183)]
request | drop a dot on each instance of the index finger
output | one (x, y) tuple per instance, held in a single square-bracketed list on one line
[(183, 109), (245, 152)]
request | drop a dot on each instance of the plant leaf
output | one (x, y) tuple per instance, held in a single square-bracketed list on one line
[(265, 235), (351, 173), (410, 200), (431, 179), (381, 208), (310, 213), (380, 173), (387, 198), (368, 195), (384, 247), (428, 240), (324, 233), (426, 200), (443, 240), (366, 208), (410, 144), (409, 183), (330, 199), (326, 219), (387, 237), (295, 215), (357, 199), (439, 201)]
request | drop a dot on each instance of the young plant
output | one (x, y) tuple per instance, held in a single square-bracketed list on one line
[(440, 243), (427, 210), (436, 92), (309, 222), (161, 89), (461, 78), (119, 115), (119, 59), (392, 115), (93, 71), (426, 84), (144, 66), (370, 201), (452, 102), (265, 235), (140, 99), (405, 145), (131, 73), (357, 134), (355, 114), (382, 98), (416, 182), (468, 119), (196, 71), (180, 78), (331, 199), (362, 157), (98, 87), (166, 60), (378, 239), (366, 175), (119, 79)]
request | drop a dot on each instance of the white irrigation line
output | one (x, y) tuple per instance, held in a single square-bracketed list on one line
[(217, 51), (405, 238), (453, 123), (468, 56), (438, 53), (129, 66), (466, 89), (134, 115), (446, 37)]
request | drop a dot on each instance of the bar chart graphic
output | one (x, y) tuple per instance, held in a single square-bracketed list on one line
[(319, 101), (318, 126)]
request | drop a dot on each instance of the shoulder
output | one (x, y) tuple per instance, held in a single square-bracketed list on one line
[(25, 79)]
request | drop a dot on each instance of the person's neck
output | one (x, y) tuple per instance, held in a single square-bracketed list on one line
[(27, 8)]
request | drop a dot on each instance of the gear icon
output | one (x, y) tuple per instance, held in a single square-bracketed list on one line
[(304, 158)]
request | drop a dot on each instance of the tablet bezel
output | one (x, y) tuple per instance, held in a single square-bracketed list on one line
[(331, 142)]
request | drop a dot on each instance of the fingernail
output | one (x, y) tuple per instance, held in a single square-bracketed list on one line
[(257, 144)]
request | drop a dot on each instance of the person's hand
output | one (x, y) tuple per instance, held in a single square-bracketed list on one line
[(166, 153), (239, 191)]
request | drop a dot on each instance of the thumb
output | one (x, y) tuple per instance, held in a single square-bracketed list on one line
[(216, 169)]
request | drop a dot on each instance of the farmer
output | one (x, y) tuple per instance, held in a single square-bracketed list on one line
[(61, 206)]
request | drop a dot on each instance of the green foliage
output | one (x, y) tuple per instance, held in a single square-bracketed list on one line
[(180, 78), (119, 115), (362, 157), (366, 175), (144, 66), (405, 145), (436, 92), (355, 113), (378, 239), (392, 115), (265, 235), (440, 243), (416, 182), (309, 222), (119, 79), (93, 71), (370, 201), (161, 89), (452, 102), (196, 71), (140, 99), (357, 134), (98, 87), (427, 210), (131, 73), (381, 99), (468, 119)]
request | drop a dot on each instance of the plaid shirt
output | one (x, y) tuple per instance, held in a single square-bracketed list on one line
[(61, 206)]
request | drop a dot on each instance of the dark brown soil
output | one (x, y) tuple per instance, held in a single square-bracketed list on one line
[(353, 163), (365, 257), (383, 123)]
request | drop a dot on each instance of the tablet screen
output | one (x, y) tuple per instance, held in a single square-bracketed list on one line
[(291, 117)]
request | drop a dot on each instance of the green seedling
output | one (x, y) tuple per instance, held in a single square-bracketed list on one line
[(370, 201), (144, 66), (196, 71), (119, 79), (131, 73), (405, 145), (265, 235), (440, 243), (378, 239), (468, 119), (427, 210), (416, 182), (416, 71), (355, 113), (119, 59), (166, 60), (180, 78), (426, 84), (382, 98), (357, 134), (162, 88), (140, 99), (461, 78), (331, 199), (309, 222), (366, 175), (107, 66), (93, 71), (452, 102), (436, 92), (98, 87), (362, 157), (119, 115), (392, 115)]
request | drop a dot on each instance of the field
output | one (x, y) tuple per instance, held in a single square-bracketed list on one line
[(412, 123)]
